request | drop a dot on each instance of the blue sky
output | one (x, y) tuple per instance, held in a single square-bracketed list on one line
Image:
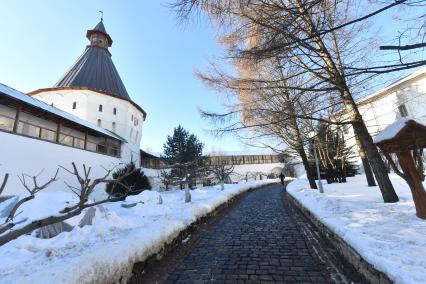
[(154, 54)]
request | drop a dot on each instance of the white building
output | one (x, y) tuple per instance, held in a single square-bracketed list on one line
[(87, 117), (404, 98)]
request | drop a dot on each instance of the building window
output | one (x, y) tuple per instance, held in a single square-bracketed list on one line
[(113, 127), (74, 105), (137, 135), (132, 118), (99, 123), (403, 110), (100, 108), (115, 111)]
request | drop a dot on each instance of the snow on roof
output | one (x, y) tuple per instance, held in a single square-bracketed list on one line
[(10, 92), (391, 130), (397, 83)]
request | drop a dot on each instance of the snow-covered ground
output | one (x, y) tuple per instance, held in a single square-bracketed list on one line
[(119, 237), (389, 236)]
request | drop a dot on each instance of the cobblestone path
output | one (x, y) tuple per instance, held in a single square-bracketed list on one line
[(257, 241)]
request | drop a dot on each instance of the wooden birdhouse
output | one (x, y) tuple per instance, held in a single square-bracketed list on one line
[(406, 139)]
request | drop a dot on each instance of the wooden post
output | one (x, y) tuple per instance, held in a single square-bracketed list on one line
[(86, 134), (409, 168), (58, 132), (17, 115)]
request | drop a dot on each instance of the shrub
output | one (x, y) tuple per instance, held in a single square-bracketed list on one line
[(137, 180)]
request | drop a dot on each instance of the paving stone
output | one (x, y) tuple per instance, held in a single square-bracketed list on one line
[(257, 241)]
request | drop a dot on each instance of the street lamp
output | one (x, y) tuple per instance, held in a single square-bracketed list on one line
[(312, 141)]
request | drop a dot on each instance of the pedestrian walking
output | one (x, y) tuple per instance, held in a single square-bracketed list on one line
[(282, 177)]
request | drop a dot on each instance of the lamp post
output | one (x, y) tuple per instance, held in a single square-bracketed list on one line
[(312, 141)]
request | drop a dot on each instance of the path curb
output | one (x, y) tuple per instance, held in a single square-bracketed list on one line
[(348, 252), (139, 267)]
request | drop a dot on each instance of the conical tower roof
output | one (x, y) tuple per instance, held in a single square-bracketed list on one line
[(95, 69)]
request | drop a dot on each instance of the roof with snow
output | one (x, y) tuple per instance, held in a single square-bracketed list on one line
[(27, 100), (402, 135)]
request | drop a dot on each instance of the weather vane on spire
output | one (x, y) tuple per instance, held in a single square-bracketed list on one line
[(102, 15)]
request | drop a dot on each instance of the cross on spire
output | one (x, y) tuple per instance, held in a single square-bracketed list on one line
[(102, 15)]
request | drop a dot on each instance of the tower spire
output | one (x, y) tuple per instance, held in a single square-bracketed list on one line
[(102, 15), (98, 36)]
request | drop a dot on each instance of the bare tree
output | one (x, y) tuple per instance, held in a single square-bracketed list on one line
[(9, 222), (332, 58), (12, 229), (222, 173)]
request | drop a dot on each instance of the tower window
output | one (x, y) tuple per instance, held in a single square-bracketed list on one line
[(100, 108), (74, 105), (132, 118), (403, 110), (113, 127), (115, 111), (99, 123)]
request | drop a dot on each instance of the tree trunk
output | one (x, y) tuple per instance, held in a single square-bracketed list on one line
[(308, 170), (377, 164), (367, 168), (408, 166)]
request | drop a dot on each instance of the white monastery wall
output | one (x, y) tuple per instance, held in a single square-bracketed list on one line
[(19, 154), (128, 119), (240, 171)]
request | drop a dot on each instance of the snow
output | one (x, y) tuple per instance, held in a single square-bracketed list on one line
[(34, 157), (119, 237), (391, 130), (8, 91), (389, 236)]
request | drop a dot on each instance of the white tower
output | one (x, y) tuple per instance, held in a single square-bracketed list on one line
[(92, 90)]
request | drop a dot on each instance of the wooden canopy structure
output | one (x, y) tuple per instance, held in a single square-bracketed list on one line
[(407, 139)]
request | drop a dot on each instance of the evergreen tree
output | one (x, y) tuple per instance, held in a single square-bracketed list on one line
[(184, 153), (136, 180), (336, 159)]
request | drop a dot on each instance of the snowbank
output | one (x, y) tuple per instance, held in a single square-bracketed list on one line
[(389, 236), (106, 251)]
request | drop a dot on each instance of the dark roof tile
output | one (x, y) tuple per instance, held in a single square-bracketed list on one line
[(95, 69)]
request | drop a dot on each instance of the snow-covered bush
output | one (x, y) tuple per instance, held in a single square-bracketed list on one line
[(137, 181)]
